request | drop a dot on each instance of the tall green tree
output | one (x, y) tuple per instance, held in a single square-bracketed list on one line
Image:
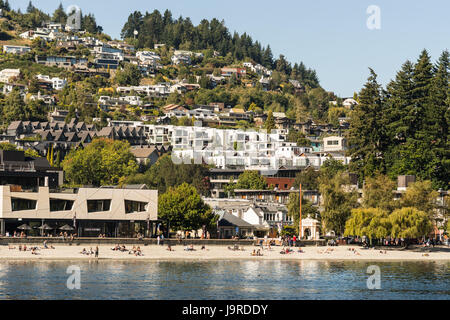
[(308, 178), (30, 7), (184, 209), (270, 122), (410, 223), (129, 76), (337, 202), (378, 193), (367, 136), (60, 16), (370, 222), (102, 162), (420, 195), (165, 174), (251, 180)]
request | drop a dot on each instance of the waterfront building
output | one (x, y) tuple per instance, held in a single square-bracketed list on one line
[(92, 211)]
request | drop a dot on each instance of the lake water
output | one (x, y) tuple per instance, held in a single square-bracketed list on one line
[(234, 280)]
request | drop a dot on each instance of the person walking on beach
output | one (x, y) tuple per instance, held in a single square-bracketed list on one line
[(157, 240), (96, 251)]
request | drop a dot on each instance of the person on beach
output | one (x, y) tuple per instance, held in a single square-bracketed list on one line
[(138, 251), (157, 240), (169, 248), (96, 252)]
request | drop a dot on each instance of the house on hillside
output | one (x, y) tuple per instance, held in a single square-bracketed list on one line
[(16, 49), (146, 155)]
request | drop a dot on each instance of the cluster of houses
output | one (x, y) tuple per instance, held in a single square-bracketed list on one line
[(184, 57), (9, 77), (49, 32)]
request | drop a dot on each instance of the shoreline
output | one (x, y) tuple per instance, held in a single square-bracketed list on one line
[(222, 253)]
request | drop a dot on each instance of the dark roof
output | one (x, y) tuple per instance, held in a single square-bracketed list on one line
[(229, 220)]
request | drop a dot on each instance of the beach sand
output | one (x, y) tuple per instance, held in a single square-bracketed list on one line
[(153, 252)]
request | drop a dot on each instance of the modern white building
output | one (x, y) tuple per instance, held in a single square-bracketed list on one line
[(230, 148), (57, 83), (93, 211), (334, 143), (6, 75), (16, 49)]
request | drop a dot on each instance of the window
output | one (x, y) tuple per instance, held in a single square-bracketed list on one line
[(60, 205), (135, 206), (98, 205), (18, 204), (332, 142)]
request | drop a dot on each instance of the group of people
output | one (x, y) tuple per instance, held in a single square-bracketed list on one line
[(136, 251), (257, 253), (34, 249), (354, 251), (90, 252), (17, 234)]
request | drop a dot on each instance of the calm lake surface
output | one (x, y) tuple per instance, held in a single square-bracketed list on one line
[(190, 280)]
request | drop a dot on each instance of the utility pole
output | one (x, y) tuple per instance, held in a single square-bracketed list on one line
[(300, 217)]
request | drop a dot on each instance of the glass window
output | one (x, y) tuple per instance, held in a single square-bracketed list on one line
[(135, 206), (98, 205), (60, 205), (18, 204)]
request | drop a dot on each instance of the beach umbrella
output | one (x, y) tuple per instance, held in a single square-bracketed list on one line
[(45, 227), (24, 227), (66, 228)]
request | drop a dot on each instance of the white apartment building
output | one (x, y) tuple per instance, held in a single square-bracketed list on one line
[(16, 49), (229, 148), (148, 57), (6, 75), (159, 90), (57, 83)]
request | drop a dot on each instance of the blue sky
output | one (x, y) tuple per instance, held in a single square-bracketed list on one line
[(328, 36)]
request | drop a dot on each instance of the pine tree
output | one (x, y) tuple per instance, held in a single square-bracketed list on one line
[(270, 122), (58, 159), (398, 116), (367, 136), (415, 154), (30, 7), (437, 122), (60, 16)]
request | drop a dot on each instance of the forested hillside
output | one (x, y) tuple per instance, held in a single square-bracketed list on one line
[(154, 28)]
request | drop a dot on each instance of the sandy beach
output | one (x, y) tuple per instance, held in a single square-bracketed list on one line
[(153, 252)]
